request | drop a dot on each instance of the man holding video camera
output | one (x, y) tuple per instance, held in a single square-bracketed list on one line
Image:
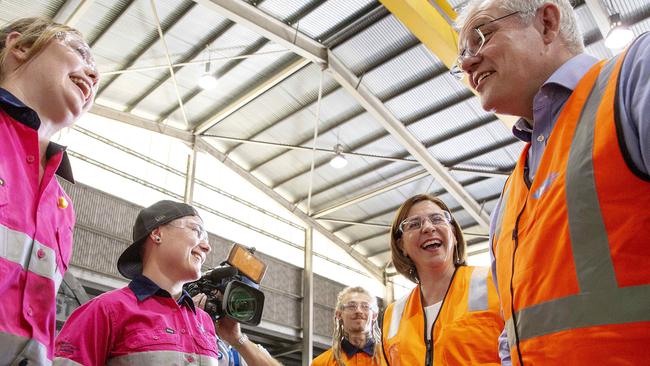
[(153, 321)]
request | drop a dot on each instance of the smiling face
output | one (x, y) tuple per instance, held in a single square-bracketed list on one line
[(510, 68), (58, 80), (355, 319), (431, 247), (182, 249)]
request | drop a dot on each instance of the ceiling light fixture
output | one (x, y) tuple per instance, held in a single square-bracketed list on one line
[(207, 80), (338, 161), (619, 35)]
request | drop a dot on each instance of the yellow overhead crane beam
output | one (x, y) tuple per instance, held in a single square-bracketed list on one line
[(431, 22)]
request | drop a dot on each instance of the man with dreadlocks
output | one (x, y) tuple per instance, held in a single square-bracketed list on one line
[(356, 339)]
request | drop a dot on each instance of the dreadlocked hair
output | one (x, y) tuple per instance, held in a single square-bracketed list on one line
[(339, 332)]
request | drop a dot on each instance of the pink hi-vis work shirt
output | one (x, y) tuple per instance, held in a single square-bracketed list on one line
[(36, 221), (139, 325)]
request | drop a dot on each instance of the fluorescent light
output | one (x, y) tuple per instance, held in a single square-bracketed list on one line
[(338, 161), (619, 35), (207, 81)]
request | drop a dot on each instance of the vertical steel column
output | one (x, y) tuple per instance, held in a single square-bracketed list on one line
[(189, 176), (308, 300), (389, 290)]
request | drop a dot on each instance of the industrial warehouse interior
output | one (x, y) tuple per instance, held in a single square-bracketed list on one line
[(297, 127)]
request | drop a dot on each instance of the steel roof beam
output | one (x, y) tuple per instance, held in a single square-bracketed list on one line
[(391, 210), (152, 38), (267, 26), (187, 57), (428, 143), (221, 113), (121, 10), (365, 263), (431, 21), (313, 100), (377, 136), (71, 11)]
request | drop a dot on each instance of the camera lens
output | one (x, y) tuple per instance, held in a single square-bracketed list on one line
[(242, 304)]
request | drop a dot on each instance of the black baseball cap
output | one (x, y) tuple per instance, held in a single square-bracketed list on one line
[(130, 262)]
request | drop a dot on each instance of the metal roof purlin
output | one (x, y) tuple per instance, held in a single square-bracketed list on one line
[(431, 22), (244, 99), (69, 13), (269, 27), (367, 264), (378, 110)]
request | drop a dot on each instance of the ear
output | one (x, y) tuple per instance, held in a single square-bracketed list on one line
[(21, 52), (337, 315), (550, 22), (156, 235), (374, 316)]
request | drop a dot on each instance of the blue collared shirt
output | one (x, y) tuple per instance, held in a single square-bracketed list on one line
[(143, 288), (351, 350)]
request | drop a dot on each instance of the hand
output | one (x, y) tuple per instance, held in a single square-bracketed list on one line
[(228, 330), (199, 300)]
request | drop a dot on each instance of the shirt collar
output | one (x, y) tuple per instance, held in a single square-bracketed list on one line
[(28, 117), (566, 76), (352, 350), (144, 288)]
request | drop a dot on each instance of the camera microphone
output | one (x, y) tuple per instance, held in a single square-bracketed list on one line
[(219, 273)]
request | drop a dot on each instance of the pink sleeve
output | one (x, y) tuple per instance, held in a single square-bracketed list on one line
[(86, 337)]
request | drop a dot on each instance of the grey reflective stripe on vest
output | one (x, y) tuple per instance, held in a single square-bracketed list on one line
[(14, 349), (59, 361), (21, 249), (165, 358), (398, 310), (600, 301), (501, 212), (477, 299)]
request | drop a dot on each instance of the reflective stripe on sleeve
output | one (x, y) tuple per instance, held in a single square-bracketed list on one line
[(15, 348), (162, 358), (398, 310), (33, 256), (477, 299)]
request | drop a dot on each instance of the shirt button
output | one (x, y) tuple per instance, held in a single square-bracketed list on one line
[(183, 331), (30, 311), (540, 138), (156, 337), (40, 253), (30, 159), (2, 182), (189, 358)]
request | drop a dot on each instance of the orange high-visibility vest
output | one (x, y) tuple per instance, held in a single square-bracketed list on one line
[(465, 332), (573, 250), (359, 359)]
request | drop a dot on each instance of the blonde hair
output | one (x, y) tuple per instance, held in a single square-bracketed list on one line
[(403, 264), (339, 333), (35, 33)]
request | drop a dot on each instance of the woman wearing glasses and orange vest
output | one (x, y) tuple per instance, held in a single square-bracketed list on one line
[(452, 316)]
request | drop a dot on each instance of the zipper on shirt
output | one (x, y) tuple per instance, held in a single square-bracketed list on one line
[(428, 359)]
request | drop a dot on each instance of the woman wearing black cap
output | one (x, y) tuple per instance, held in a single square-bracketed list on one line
[(153, 321)]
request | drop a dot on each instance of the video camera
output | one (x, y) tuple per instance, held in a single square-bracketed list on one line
[(232, 289)]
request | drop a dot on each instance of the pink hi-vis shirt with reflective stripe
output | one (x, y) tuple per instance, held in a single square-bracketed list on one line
[(116, 328), (36, 222)]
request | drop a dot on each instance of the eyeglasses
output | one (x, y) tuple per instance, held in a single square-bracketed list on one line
[(473, 45), (416, 222), (353, 306), (199, 231), (73, 42)]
